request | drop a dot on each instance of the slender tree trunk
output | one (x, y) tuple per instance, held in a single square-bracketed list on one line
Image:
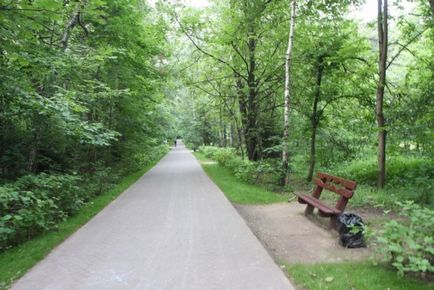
[(240, 141), (315, 117), (252, 110), (382, 62), (312, 160), (242, 104), (231, 135), (431, 3), (221, 127), (32, 164), (225, 141), (3, 132), (288, 92)]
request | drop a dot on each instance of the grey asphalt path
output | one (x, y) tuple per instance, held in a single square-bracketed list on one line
[(172, 229)]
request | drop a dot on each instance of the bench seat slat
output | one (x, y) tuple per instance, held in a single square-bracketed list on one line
[(324, 209)]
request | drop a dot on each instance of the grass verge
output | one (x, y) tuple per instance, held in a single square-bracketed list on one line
[(357, 275), (236, 190), (17, 261)]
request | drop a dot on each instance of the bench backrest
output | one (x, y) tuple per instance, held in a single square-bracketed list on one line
[(344, 187)]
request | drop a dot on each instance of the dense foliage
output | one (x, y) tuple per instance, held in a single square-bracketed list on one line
[(232, 93), (80, 105)]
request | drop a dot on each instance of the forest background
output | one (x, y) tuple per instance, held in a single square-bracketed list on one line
[(91, 91)]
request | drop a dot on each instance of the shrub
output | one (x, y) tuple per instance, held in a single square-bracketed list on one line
[(401, 170), (139, 159), (264, 171), (63, 190), (209, 151), (226, 157), (408, 177), (23, 214), (35, 203), (409, 244)]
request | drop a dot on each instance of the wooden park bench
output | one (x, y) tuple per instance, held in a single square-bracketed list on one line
[(343, 187)]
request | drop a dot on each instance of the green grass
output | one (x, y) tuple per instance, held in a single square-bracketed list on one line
[(236, 190), (16, 261), (345, 276)]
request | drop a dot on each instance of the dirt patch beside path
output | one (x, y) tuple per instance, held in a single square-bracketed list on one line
[(291, 237)]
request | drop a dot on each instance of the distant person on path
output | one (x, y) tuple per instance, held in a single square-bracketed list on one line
[(175, 142)]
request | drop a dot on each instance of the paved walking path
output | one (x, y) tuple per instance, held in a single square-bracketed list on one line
[(173, 229)]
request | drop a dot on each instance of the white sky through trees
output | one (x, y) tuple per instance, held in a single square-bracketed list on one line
[(367, 12)]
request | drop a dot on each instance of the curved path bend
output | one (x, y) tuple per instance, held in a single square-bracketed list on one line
[(172, 229)]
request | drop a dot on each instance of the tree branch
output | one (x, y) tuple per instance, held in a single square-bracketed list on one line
[(207, 53), (73, 21), (404, 47), (239, 53)]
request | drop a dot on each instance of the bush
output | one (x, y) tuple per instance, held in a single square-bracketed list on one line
[(226, 157), (401, 170), (63, 190), (409, 244), (264, 171), (209, 151), (407, 177), (35, 203), (24, 214), (140, 159)]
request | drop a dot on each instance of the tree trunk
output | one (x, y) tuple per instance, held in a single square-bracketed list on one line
[(225, 140), (231, 135), (252, 106), (382, 59), (221, 128), (288, 62), (242, 105), (312, 160), (73, 21), (32, 161), (315, 117), (431, 3)]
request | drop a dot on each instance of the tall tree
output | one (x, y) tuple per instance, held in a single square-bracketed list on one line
[(382, 26), (247, 36), (287, 94)]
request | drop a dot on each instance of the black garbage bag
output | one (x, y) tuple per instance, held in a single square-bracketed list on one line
[(350, 227)]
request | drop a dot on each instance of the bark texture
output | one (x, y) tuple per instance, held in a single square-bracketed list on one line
[(382, 63), (287, 96), (315, 117)]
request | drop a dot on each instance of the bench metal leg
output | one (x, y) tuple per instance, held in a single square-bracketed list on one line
[(309, 210)]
